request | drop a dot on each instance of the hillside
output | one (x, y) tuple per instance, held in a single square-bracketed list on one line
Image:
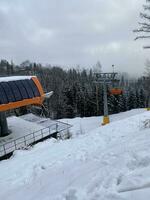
[(98, 163)]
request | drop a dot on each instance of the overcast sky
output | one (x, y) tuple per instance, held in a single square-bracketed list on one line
[(73, 32)]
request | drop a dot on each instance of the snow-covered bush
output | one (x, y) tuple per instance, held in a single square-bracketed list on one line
[(145, 124)]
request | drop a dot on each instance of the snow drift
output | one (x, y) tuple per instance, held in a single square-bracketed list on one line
[(99, 163)]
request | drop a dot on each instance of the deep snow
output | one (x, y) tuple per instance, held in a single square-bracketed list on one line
[(99, 163)]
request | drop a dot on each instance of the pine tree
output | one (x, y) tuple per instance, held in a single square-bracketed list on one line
[(142, 99), (132, 100)]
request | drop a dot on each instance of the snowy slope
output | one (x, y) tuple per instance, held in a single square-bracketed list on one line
[(102, 163), (88, 124)]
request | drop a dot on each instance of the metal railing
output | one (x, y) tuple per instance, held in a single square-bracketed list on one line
[(33, 137)]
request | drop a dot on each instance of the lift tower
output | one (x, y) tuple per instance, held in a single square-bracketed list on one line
[(106, 79)]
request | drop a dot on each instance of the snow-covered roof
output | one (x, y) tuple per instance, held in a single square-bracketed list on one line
[(14, 78)]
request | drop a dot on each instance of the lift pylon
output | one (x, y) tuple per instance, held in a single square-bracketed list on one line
[(105, 79)]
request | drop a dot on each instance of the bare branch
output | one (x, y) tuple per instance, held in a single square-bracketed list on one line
[(142, 37), (146, 47), (141, 30), (144, 27), (146, 7), (145, 16), (144, 24)]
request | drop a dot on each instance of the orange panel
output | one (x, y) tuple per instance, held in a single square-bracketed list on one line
[(38, 84), (25, 102), (116, 91)]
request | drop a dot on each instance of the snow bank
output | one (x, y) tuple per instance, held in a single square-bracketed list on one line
[(109, 162)]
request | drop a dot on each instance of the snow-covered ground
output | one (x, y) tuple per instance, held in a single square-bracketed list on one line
[(99, 163), (26, 129)]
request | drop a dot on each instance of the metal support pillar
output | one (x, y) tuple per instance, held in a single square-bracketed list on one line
[(97, 102), (106, 78), (3, 125), (148, 108), (106, 116)]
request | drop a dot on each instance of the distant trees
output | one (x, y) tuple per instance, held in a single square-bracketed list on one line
[(97, 68), (6, 68), (144, 26), (75, 93)]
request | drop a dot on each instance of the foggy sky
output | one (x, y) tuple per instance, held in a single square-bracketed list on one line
[(73, 32)]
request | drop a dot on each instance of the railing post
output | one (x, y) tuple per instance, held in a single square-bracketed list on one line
[(15, 145), (33, 137), (56, 127), (49, 130), (42, 132), (25, 141), (4, 149)]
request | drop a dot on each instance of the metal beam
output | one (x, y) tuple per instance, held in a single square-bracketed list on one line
[(3, 125)]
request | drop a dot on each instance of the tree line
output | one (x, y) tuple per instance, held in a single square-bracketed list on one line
[(75, 92)]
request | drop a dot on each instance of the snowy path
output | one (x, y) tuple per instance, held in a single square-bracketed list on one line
[(108, 163)]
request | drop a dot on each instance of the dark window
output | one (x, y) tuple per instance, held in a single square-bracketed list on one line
[(15, 90), (18, 90), (28, 88), (22, 90), (3, 98), (34, 88), (8, 92)]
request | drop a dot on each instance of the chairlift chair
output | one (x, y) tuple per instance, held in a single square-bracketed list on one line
[(116, 91)]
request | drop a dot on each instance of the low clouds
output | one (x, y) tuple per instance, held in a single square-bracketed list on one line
[(73, 32)]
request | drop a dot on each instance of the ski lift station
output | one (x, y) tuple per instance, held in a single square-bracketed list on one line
[(19, 132)]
